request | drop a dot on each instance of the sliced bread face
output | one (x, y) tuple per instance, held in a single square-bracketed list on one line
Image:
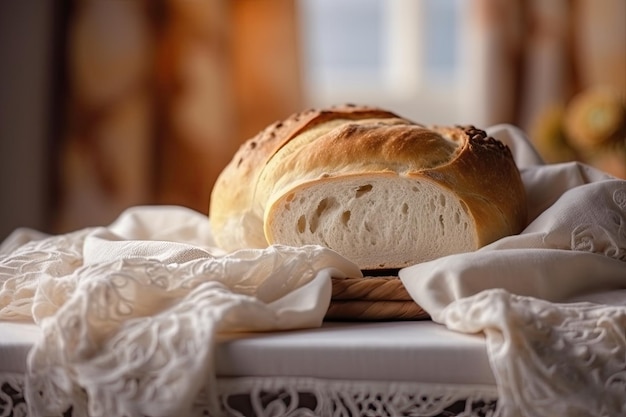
[(377, 221)]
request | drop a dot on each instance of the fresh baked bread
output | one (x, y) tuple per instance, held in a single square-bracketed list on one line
[(381, 190)]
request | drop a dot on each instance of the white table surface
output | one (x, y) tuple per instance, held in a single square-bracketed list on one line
[(417, 351)]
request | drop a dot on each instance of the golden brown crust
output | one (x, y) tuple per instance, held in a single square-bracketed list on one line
[(234, 191), (318, 145), (486, 179)]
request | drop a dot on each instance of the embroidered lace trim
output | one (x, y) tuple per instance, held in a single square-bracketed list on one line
[(307, 397)]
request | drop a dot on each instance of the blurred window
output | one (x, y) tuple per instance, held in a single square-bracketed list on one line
[(390, 53), (343, 41)]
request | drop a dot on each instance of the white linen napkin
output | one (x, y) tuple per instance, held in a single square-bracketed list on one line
[(550, 357), (130, 312)]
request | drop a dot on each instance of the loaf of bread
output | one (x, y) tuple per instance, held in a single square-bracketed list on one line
[(381, 190)]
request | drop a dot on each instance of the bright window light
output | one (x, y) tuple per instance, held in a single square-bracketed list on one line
[(391, 53)]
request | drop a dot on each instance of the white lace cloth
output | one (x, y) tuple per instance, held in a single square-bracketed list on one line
[(550, 358), (311, 397), (129, 318), (129, 313)]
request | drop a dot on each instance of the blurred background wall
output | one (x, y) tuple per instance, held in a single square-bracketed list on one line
[(106, 104)]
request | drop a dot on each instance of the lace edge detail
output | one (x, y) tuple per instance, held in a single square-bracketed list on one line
[(310, 397), (315, 397)]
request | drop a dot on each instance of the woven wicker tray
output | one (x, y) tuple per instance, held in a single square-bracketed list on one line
[(372, 298)]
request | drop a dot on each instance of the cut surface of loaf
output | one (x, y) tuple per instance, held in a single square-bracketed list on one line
[(381, 190), (378, 221)]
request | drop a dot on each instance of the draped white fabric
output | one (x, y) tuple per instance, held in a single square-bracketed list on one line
[(129, 313), (549, 356)]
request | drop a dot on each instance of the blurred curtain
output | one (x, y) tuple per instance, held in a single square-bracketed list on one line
[(555, 68), (160, 93)]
